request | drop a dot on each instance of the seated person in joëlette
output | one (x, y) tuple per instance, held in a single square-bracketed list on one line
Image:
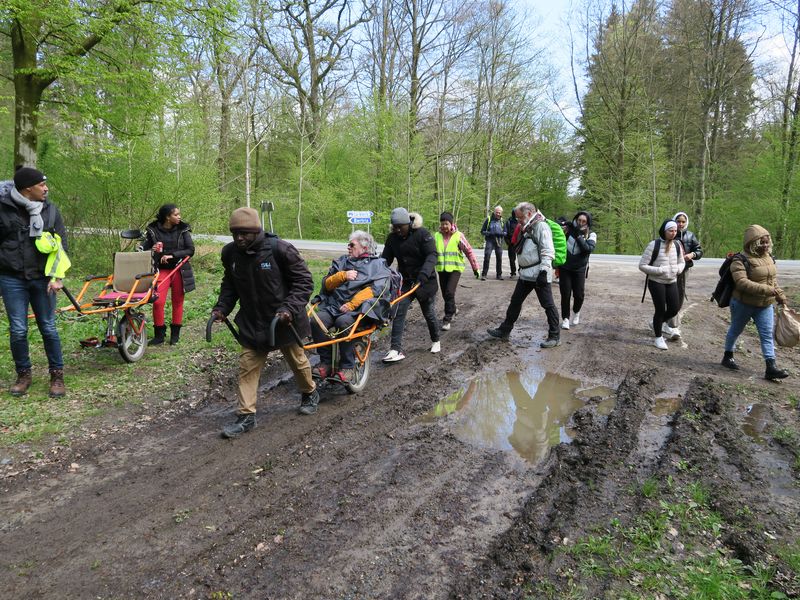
[(357, 283)]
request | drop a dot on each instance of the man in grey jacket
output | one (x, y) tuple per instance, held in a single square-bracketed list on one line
[(535, 254)]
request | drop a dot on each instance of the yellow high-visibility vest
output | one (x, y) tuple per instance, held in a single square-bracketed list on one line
[(450, 258), (58, 262)]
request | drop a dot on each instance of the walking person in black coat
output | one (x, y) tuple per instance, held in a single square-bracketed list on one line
[(415, 250), (171, 241), (581, 241), (268, 278)]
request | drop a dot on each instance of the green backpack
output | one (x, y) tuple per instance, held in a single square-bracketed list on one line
[(559, 243)]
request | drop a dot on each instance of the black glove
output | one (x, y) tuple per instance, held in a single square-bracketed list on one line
[(218, 316), (284, 317), (541, 279)]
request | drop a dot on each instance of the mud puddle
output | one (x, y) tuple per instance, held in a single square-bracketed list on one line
[(526, 413)]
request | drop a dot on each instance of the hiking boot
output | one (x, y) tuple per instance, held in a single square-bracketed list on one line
[(436, 347), (393, 356), (498, 333), (57, 387), (483, 277), (243, 424), (773, 372), (321, 371), (446, 326), (565, 324), (23, 382), (660, 343), (576, 318), (499, 278), (160, 333), (309, 402), (729, 362), (550, 342), (174, 334)]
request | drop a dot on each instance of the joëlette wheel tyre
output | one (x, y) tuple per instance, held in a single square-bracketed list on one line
[(131, 344), (361, 371)]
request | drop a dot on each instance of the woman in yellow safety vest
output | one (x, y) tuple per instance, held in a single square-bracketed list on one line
[(451, 247)]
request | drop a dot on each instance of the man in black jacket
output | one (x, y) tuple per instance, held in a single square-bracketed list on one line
[(493, 230), (415, 250), (25, 214), (268, 278)]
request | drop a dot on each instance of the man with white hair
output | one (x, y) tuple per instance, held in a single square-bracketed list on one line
[(535, 254)]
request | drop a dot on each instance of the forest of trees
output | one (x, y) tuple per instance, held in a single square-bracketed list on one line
[(325, 106)]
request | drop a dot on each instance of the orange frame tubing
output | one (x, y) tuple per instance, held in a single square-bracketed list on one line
[(127, 303), (354, 334)]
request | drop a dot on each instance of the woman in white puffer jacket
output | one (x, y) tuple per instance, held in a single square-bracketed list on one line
[(662, 270)]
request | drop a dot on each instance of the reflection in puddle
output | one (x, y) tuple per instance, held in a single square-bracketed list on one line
[(756, 421), (666, 406), (525, 412)]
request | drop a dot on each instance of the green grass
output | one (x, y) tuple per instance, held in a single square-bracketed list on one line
[(98, 380), (675, 549)]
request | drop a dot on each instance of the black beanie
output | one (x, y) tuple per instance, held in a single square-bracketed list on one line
[(446, 216), (26, 177)]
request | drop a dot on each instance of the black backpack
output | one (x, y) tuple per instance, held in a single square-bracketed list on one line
[(724, 291)]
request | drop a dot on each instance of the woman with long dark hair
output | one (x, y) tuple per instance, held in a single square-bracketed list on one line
[(170, 240)]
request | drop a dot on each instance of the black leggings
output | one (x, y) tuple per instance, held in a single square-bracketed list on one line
[(666, 300), (571, 283)]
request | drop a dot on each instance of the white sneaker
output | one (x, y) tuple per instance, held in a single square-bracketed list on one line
[(565, 324), (436, 347), (675, 333), (446, 326), (576, 318), (660, 343), (393, 356), (666, 330)]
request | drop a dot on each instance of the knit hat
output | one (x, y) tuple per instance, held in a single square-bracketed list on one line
[(446, 216), (245, 219), (26, 177), (400, 217)]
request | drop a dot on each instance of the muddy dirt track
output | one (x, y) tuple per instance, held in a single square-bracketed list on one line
[(363, 500)]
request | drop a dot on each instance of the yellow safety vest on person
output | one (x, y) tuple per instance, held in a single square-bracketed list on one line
[(450, 258), (58, 262)]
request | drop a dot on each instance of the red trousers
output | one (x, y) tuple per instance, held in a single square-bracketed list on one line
[(165, 284)]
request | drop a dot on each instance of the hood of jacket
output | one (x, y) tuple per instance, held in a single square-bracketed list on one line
[(678, 214), (751, 235), (182, 226), (588, 216)]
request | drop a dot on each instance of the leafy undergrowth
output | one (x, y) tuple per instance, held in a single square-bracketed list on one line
[(98, 380)]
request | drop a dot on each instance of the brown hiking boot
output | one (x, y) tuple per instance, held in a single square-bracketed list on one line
[(24, 380), (57, 388)]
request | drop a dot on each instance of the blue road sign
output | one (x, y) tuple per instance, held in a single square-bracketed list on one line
[(360, 214), (357, 220)]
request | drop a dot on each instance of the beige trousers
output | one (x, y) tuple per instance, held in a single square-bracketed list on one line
[(251, 363)]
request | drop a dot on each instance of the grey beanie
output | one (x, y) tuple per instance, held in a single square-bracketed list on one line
[(400, 217)]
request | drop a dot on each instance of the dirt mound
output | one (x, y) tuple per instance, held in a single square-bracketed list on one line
[(363, 500)]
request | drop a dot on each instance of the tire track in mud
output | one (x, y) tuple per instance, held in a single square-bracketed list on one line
[(590, 482), (359, 501)]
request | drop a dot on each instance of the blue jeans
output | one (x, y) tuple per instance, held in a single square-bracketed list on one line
[(763, 317), (17, 295)]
